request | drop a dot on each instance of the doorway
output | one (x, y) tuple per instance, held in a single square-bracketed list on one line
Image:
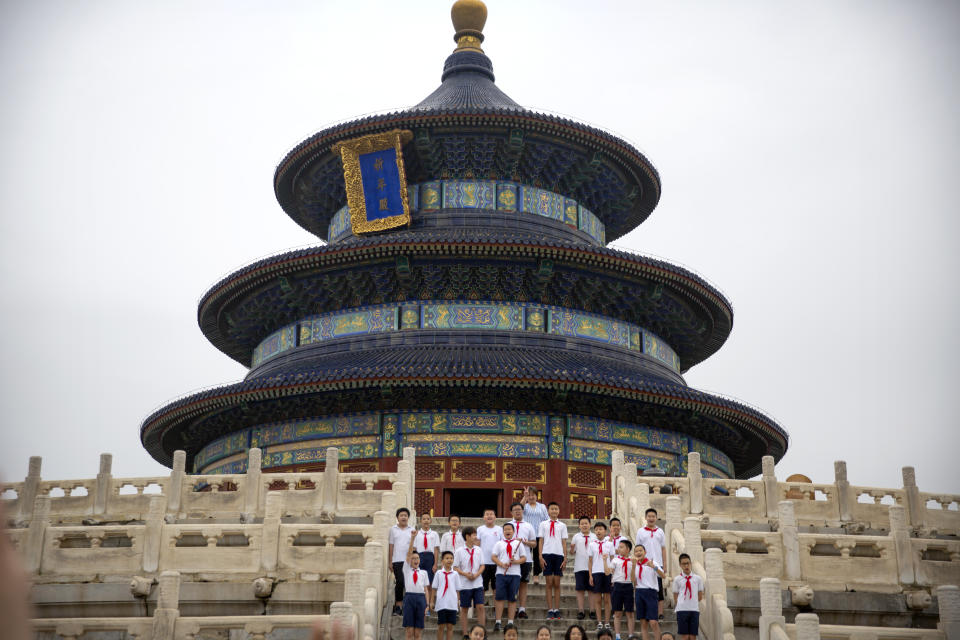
[(470, 503)]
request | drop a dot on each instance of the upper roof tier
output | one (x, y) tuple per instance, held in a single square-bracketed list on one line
[(469, 129)]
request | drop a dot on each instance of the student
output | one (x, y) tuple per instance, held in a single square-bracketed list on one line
[(575, 632), (543, 633), (534, 513), (645, 573), (528, 537), (655, 542), (510, 632), (489, 534), (687, 593), (415, 583), (399, 539), (604, 633), (428, 545), (444, 596), (508, 554), (478, 632), (615, 534), (453, 539), (624, 581), (468, 563), (552, 548), (580, 545), (666, 635), (599, 554)]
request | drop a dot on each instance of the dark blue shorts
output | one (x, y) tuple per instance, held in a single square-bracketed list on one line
[(659, 588), (446, 616), (426, 563), (621, 598), (469, 597), (582, 579), (414, 605), (646, 601), (507, 587), (601, 583), (551, 564), (688, 623)]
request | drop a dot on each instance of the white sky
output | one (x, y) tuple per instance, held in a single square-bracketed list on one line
[(808, 153)]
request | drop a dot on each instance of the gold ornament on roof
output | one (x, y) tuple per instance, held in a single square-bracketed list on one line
[(468, 17)]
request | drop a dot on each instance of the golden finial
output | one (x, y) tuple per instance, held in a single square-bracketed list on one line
[(468, 17)]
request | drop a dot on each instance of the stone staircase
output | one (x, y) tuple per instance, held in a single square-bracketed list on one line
[(536, 605)]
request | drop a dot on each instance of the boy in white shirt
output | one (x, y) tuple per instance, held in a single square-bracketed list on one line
[(468, 563), (446, 586), (416, 585), (615, 534), (453, 539), (489, 534), (687, 592), (655, 542), (599, 553), (621, 597), (524, 532), (509, 555), (580, 545), (399, 539), (552, 542), (427, 544), (646, 573)]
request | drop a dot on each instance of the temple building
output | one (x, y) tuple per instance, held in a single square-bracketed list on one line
[(474, 313)]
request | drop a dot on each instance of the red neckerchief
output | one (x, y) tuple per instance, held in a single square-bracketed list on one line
[(641, 565), (688, 590), (552, 524), (600, 545), (509, 549), (516, 529), (424, 540), (415, 573), (471, 550), (626, 561), (614, 541), (586, 540), (652, 531), (446, 577)]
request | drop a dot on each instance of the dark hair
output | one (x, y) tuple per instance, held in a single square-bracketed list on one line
[(453, 515), (485, 513), (482, 627), (612, 520), (468, 531), (649, 510), (550, 504), (583, 632), (681, 557), (584, 517), (509, 626), (599, 523), (543, 626), (445, 554), (401, 510), (604, 632), (627, 542), (507, 524), (668, 633), (515, 504)]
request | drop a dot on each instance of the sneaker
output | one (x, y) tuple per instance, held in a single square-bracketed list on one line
[(593, 616), (521, 614), (581, 615), (497, 626), (599, 627), (607, 627)]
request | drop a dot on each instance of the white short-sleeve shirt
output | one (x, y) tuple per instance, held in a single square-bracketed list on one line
[(446, 585), (647, 574), (581, 549), (621, 569), (408, 583), (426, 541), (598, 550), (687, 600), (524, 531), (653, 541), (552, 544), (400, 539), (488, 537), (469, 562), (450, 543), (517, 550)]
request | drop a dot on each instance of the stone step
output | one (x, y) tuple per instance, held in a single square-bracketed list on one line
[(528, 627)]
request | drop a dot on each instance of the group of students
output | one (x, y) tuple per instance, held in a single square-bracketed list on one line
[(453, 572)]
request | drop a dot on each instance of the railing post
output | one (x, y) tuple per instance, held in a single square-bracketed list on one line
[(152, 534), (771, 606), (695, 482), (692, 538), (844, 494), (770, 490), (331, 481), (616, 472), (342, 613), (168, 607), (790, 540), (270, 542), (808, 626), (104, 480), (36, 532), (410, 457), (355, 591), (915, 506), (948, 601), (902, 545), (373, 565), (671, 523), (175, 484), (251, 505), (31, 485)]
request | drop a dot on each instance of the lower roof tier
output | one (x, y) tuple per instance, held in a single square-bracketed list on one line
[(460, 434), (465, 376)]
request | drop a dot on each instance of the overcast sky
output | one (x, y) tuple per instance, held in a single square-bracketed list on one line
[(808, 152)]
